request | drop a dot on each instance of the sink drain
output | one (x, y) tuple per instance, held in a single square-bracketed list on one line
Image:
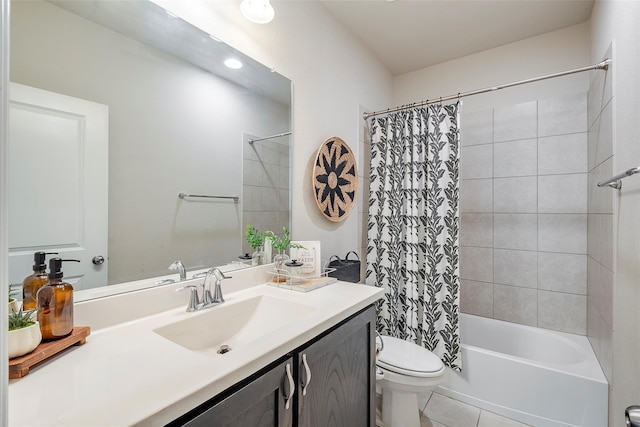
[(224, 349)]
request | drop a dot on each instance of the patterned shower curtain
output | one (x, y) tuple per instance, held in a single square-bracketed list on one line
[(413, 228)]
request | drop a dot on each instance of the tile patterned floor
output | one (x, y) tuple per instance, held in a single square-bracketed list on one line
[(442, 411)]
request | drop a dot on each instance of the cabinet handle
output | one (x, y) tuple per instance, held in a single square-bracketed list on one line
[(292, 386), (307, 376)]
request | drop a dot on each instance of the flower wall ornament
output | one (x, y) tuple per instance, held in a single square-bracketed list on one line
[(335, 179)]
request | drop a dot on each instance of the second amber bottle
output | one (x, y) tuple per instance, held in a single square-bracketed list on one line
[(55, 304)]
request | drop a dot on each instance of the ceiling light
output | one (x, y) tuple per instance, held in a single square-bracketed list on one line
[(233, 63), (258, 11)]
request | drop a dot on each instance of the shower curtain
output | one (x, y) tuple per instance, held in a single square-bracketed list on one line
[(413, 227)]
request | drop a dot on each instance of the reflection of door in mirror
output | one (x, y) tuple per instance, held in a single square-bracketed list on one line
[(58, 147)]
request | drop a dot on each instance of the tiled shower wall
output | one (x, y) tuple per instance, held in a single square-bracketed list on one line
[(265, 186), (523, 203), (600, 230)]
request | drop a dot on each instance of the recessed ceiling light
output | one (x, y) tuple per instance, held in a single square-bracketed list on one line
[(233, 63), (258, 11)]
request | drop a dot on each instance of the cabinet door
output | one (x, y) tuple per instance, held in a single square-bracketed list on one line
[(336, 384), (264, 402)]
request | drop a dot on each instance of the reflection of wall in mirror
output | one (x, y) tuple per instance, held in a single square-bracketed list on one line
[(173, 128)]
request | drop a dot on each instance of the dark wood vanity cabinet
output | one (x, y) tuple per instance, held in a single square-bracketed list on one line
[(333, 385), (336, 378), (264, 402)]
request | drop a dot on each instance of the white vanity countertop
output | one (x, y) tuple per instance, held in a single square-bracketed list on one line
[(129, 375)]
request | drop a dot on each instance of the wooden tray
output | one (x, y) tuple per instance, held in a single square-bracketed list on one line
[(19, 366)]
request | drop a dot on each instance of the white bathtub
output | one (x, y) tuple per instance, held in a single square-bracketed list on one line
[(536, 376)]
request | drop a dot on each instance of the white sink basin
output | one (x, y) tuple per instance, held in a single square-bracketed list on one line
[(233, 323)]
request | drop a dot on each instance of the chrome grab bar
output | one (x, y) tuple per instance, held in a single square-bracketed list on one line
[(615, 181)]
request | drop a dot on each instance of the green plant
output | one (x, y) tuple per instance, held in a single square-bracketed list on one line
[(20, 319), (254, 237), (283, 242), (12, 292)]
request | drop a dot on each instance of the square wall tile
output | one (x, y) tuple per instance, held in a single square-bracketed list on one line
[(562, 272), (562, 233), (601, 137), (562, 312), (515, 304), (605, 296), (515, 122), (593, 327), (252, 198), (600, 241), (476, 161), (253, 173), (515, 268), (476, 229), (515, 158), (515, 231), (476, 127), (562, 193), (476, 298), (605, 356), (476, 264), (562, 154), (600, 89), (599, 200), (515, 195), (476, 195), (562, 115)]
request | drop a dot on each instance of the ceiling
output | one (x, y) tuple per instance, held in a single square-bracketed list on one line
[(407, 35)]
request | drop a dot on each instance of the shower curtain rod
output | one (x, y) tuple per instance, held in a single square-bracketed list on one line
[(604, 65), (251, 141)]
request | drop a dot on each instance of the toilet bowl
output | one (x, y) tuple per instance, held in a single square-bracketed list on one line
[(407, 370)]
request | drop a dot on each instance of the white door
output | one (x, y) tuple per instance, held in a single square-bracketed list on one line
[(58, 183)]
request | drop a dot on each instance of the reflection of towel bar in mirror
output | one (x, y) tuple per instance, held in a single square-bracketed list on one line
[(183, 195), (252, 140)]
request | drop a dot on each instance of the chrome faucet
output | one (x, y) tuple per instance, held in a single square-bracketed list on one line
[(217, 292), (178, 265), (195, 302)]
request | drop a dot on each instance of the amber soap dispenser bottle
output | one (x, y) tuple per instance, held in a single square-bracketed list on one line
[(31, 284), (55, 303)]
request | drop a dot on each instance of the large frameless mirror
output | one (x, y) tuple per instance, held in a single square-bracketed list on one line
[(116, 108)]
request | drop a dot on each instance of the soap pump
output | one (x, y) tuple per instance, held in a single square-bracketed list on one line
[(55, 303), (35, 281)]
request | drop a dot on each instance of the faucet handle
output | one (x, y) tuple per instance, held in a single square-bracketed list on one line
[(194, 301)]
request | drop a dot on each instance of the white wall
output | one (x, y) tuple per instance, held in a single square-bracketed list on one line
[(617, 22), (333, 76), (546, 54)]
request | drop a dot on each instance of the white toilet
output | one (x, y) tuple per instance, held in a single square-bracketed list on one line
[(407, 370)]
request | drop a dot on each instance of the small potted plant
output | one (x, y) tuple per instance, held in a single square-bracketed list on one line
[(256, 241), (24, 333), (281, 243), (13, 302)]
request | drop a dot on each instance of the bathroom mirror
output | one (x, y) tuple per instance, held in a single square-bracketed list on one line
[(172, 119)]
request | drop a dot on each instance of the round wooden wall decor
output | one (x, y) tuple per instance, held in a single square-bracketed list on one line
[(335, 179)]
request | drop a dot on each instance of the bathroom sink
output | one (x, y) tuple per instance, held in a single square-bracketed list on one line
[(234, 324)]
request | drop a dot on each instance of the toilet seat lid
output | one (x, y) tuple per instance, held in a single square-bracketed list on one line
[(407, 358)]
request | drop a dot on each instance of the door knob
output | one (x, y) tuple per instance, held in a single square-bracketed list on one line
[(98, 260)]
